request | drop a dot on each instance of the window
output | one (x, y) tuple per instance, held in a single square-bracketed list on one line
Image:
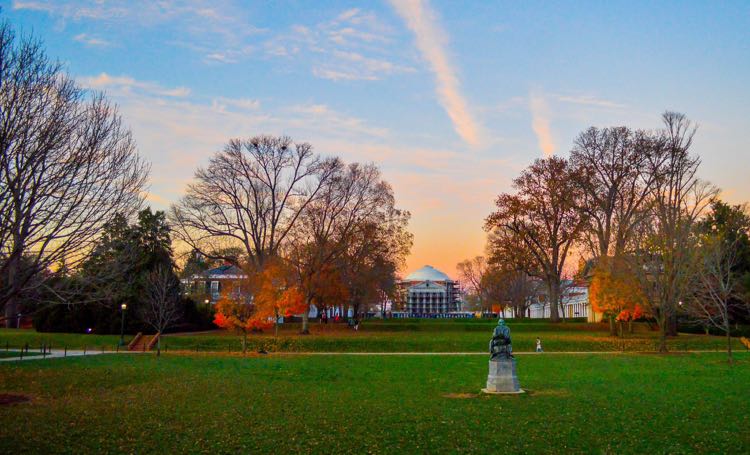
[(214, 288)]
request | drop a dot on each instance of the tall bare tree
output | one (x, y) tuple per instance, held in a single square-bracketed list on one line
[(616, 184), (666, 257), (162, 302), (251, 195), (67, 166), (536, 227)]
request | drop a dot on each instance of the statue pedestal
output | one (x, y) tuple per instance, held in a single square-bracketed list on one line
[(502, 378)]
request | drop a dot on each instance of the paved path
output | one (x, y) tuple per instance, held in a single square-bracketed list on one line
[(58, 354)]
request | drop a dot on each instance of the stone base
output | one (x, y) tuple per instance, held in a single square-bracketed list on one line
[(502, 377), (490, 392)]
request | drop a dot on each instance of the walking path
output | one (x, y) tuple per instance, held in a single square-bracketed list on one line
[(58, 354), (696, 351)]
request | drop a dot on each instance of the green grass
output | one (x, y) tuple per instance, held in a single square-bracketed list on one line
[(393, 336), (393, 404), (17, 338)]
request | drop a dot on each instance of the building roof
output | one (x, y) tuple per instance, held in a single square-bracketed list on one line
[(426, 273), (229, 272)]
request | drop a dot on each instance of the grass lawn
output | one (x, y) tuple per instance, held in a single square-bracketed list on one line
[(399, 404), (393, 336)]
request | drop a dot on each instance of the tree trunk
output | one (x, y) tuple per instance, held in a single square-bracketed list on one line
[(554, 299), (11, 310), (620, 328), (11, 303), (663, 322), (306, 320), (276, 323), (158, 346), (729, 343), (630, 326), (612, 328), (672, 325), (244, 342)]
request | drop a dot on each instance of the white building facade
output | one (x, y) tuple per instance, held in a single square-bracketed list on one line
[(430, 292), (574, 303)]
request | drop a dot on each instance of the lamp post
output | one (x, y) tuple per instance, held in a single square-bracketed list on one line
[(123, 307)]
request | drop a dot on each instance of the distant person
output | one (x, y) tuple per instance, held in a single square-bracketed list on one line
[(539, 345), (356, 325), (324, 317)]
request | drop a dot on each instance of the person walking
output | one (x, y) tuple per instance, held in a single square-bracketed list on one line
[(539, 345)]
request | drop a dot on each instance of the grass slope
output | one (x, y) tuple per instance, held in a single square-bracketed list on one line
[(429, 404), (393, 336)]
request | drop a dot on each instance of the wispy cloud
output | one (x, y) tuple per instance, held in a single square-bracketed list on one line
[(431, 42), (241, 104), (354, 45), (540, 119), (589, 100), (127, 84), (91, 40), (219, 26)]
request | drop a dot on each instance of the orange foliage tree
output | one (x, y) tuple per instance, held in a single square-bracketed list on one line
[(615, 292), (234, 311), (276, 296)]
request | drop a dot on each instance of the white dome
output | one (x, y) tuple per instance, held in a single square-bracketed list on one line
[(426, 273)]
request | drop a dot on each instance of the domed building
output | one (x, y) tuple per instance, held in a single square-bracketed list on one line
[(430, 291)]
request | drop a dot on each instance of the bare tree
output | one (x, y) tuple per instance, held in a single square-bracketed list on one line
[(665, 260), (472, 272), (616, 184), (67, 166), (717, 288), (536, 227), (162, 302), (251, 195), (519, 289)]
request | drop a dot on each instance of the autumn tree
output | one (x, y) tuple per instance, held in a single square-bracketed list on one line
[(353, 197), (251, 195), (536, 227), (68, 165), (615, 291), (277, 295), (235, 311), (373, 256)]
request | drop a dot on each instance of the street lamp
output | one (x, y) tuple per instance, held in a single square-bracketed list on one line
[(122, 325)]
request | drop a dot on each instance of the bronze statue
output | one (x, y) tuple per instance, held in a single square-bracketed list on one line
[(500, 345)]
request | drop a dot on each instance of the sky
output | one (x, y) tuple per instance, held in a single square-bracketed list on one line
[(451, 99)]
